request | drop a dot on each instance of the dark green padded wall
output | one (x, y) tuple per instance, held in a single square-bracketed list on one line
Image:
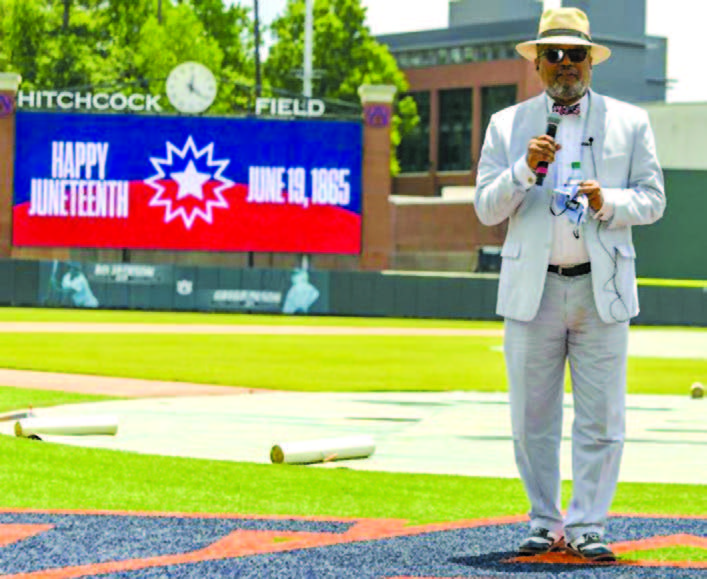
[(676, 246)]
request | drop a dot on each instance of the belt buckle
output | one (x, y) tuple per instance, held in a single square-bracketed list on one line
[(559, 269)]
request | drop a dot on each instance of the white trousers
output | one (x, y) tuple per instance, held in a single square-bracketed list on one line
[(567, 328)]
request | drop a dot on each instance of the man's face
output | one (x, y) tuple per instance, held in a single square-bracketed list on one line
[(565, 81)]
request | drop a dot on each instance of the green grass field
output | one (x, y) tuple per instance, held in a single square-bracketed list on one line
[(668, 554), (137, 317), (294, 362), (40, 475), (22, 398), (50, 476)]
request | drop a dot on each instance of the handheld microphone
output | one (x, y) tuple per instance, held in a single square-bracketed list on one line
[(553, 120)]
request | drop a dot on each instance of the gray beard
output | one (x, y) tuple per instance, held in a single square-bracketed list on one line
[(567, 93)]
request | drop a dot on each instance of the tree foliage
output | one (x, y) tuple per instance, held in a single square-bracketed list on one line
[(131, 45), (345, 56)]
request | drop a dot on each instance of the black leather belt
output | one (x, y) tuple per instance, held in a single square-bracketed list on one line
[(572, 270)]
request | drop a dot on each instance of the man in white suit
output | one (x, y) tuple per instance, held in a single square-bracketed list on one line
[(567, 287)]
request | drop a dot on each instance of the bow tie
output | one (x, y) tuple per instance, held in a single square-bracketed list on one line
[(566, 109)]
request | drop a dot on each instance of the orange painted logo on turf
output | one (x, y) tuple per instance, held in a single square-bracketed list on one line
[(173, 539)]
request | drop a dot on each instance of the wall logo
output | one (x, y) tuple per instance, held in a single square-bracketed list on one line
[(377, 116), (64, 545), (189, 183), (185, 287), (7, 105)]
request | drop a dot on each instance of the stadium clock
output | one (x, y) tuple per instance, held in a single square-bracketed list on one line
[(191, 87)]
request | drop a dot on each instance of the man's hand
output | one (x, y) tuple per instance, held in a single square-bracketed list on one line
[(541, 148), (592, 190)]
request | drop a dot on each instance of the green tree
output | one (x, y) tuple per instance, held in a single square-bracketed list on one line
[(122, 44), (230, 25), (181, 37), (68, 58), (144, 44), (23, 29), (345, 56)]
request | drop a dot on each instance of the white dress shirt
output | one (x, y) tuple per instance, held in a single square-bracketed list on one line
[(566, 248)]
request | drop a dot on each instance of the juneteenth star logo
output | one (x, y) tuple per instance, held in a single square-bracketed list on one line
[(189, 183)]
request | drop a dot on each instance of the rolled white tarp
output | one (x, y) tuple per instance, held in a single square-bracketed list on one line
[(15, 415), (67, 426), (323, 450)]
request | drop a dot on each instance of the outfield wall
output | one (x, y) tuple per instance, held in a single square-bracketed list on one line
[(386, 294)]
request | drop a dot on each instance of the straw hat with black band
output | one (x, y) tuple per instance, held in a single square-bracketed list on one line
[(563, 27)]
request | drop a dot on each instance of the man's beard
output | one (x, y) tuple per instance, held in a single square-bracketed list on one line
[(567, 93)]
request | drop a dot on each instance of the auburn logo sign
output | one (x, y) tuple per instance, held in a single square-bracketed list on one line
[(59, 545)]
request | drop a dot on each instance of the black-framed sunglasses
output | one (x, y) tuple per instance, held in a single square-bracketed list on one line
[(557, 55)]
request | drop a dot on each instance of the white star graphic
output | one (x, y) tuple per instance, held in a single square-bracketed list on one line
[(190, 182)]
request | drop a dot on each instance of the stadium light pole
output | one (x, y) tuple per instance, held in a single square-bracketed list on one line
[(256, 30), (308, 43), (256, 38), (307, 76)]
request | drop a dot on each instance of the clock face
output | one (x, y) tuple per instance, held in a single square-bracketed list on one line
[(191, 87)]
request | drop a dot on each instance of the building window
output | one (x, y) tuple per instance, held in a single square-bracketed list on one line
[(493, 99), (414, 149), (456, 55), (455, 118), (511, 52), (471, 54)]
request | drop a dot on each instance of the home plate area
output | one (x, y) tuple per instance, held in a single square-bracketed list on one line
[(58, 545)]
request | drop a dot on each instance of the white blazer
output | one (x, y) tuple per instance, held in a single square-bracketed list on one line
[(622, 158)]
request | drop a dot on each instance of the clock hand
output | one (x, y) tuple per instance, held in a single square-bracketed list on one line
[(193, 89), (190, 85)]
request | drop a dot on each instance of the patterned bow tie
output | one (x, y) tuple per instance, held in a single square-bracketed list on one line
[(566, 109)]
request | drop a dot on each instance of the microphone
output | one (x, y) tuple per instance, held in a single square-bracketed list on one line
[(553, 120), (588, 142)]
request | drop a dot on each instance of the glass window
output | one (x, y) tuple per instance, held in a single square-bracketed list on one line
[(414, 149), (493, 99), (455, 119), (470, 54)]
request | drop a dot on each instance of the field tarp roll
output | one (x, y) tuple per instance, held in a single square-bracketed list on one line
[(67, 426), (323, 450)]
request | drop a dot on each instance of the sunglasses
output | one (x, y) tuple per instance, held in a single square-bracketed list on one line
[(557, 55)]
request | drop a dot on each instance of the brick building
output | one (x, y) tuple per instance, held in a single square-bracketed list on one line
[(459, 76)]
